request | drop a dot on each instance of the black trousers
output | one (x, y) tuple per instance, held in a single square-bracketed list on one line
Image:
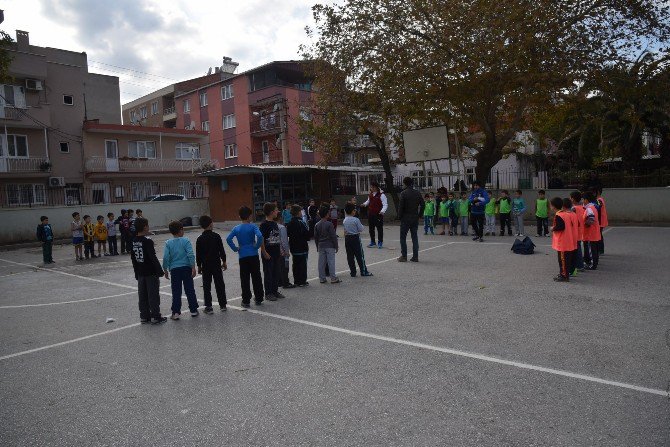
[(542, 226), (250, 271), (376, 222), (299, 269), (129, 242), (505, 220), (272, 274), (112, 246), (478, 224), (209, 273), (409, 225), (352, 244), (591, 253), (565, 263), (89, 248), (601, 243), (148, 288), (124, 243)]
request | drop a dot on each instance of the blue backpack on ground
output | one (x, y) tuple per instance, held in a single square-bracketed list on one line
[(523, 247)]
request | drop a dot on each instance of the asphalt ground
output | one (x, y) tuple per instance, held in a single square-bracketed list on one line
[(472, 346)]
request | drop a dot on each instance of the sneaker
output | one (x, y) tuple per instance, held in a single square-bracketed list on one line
[(414, 260), (402, 259), (289, 286), (246, 306), (195, 313), (367, 274), (353, 274), (323, 281), (270, 297), (521, 235), (223, 308), (450, 233), (517, 235), (258, 303), (380, 245), (280, 295), (561, 278), (158, 320), (371, 245), (547, 235), (481, 239), (475, 238), (336, 281), (208, 311), (539, 235), (303, 284), (145, 320), (174, 316)]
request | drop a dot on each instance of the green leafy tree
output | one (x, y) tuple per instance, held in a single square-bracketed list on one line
[(5, 56)]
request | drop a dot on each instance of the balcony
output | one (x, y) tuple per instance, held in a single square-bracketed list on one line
[(24, 165), (265, 125), (147, 165), (169, 113), (271, 157), (10, 113)]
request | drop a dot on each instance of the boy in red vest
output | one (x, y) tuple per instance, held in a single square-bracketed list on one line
[(591, 231), (603, 219), (578, 208), (561, 239), (377, 205), (574, 228)]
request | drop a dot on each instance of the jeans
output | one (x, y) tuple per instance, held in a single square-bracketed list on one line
[(376, 221), (299, 269), (505, 221), (272, 274), (410, 225), (327, 258), (179, 276), (250, 271), (428, 224), (285, 263), (148, 289), (518, 223), (215, 273), (490, 224), (352, 244), (46, 251), (542, 226), (464, 225), (478, 224), (112, 246)]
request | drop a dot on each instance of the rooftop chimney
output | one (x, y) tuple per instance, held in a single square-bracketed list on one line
[(228, 65), (22, 40)]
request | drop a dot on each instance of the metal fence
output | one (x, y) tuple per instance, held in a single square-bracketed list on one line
[(34, 195)]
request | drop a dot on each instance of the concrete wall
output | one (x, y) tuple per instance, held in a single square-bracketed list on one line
[(19, 224)]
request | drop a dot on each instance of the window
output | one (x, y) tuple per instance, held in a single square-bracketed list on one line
[(226, 92), (14, 96), (231, 150), (190, 190), (26, 194), (133, 116), (423, 182), (265, 147), (229, 121), (140, 191), (306, 146), (187, 151), (205, 126), (203, 98), (17, 146), (154, 108), (142, 149), (187, 106), (143, 112), (68, 100), (72, 196), (64, 147)]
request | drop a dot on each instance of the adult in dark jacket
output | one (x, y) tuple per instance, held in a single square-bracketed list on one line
[(478, 199), (298, 238), (409, 209)]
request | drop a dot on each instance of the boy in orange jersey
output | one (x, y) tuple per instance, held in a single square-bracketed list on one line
[(578, 208), (568, 213), (561, 239), (591, 231)]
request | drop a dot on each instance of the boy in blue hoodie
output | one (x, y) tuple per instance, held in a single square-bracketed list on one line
[(179, 261), (249, 241)]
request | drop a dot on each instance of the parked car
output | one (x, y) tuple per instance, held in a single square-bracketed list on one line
[(165, 197)]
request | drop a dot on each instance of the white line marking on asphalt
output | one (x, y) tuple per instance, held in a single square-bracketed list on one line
[(66, 302)]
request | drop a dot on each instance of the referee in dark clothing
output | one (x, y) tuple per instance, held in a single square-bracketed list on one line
[(409, 209), (210, 257)]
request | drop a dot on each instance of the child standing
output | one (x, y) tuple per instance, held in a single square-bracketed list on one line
[(352, 241), (578, 208), (89, 237), (249, 240), (131, 230), (210, 257), (428, 215), (518, 209), (574, 228), (603, 220), (444, 215), (505, 210), (179, 261), (111, 235), (147, 273), (562, 239), (271, 252), (298, 238), (464, 212), (542, 214), (326, 245), (591, 232), (45, 235), (333, 213), (285, 256), (286, 214), (490, 215), (101, 235), (452, 213), (124, 228), (77, 236)]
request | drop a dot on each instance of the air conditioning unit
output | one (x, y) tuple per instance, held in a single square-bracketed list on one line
[(34, 84), (55, 182)]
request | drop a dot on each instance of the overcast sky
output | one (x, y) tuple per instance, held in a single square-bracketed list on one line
[(167, 40)]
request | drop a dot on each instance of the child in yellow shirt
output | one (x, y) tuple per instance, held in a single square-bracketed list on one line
[(100, 231)]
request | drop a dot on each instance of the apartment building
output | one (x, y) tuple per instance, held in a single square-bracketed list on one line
[(41, 114)]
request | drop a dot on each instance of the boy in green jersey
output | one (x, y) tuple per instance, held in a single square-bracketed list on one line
[(505, 210), (490, 214), (464, 213), (428, 215), (542, 214)]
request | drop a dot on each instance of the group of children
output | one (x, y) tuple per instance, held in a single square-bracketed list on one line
[(277, 238), (451, 212)]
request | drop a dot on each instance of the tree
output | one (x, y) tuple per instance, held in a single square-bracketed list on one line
[(5, 57), (485, 64)]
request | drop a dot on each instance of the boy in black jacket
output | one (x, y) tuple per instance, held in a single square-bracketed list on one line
[(46, 235), (210, 257), (298, 238), (148, 271)]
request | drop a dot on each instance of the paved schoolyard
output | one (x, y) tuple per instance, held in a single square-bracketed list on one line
[(472, 346)]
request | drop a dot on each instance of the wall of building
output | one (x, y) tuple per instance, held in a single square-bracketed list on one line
[(19, 224), (224, 205), (103, 98)]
